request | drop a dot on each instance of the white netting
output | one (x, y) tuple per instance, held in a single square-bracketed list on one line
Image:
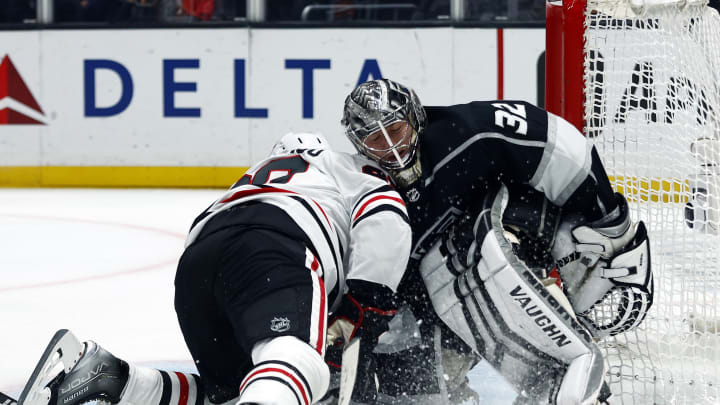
[(652, 107)]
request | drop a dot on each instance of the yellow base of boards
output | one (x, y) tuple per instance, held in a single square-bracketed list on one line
[(106, 176), (634, 188), (652, 189)]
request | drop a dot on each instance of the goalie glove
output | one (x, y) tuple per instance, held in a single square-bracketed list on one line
[(606, 269), (364, 313)]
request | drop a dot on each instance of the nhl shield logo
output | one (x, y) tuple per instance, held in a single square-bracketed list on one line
[(279, 324), (413, 194)]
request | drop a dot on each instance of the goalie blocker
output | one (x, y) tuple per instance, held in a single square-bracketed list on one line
[(506, 314)]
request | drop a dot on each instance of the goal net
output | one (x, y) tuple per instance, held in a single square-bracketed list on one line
[(642, 78)]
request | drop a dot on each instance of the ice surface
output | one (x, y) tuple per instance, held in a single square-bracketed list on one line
[(101, 263)]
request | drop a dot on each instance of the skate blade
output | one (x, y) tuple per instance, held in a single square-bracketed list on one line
[(63, 347), (6, 400)]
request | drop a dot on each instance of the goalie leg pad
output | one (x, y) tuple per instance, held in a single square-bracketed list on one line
[(503, 311)]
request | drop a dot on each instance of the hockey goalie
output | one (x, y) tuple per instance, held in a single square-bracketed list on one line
[(505, 201)]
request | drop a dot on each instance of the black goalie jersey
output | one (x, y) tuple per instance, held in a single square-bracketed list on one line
[(467, 148), (355, 221), (464, 151)]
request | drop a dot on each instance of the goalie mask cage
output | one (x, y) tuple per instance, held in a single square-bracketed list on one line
[(641, 79)]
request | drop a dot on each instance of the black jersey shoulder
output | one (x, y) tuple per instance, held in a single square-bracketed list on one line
[(511, 118), (484, 141)]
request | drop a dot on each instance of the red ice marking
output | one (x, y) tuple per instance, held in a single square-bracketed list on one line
[(277, 370), (95, 222), (315, 264), (149, 267), (380, 197), (184, 388)]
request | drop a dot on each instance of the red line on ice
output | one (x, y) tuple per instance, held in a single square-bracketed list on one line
[(149, 267)]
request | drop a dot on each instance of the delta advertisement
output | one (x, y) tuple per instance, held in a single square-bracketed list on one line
[(191, 107)]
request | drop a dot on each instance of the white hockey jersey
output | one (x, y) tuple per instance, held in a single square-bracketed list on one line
[(356, 221)]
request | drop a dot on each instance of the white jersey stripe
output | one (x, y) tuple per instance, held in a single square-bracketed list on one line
[(192, 389), (382, 190), (175, 394), (568, 164), (319, 313), (378, 199), (278, 371)]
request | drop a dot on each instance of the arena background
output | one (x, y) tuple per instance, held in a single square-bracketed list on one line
[(193, 105)]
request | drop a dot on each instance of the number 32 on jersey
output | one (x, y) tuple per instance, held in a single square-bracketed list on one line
[(511, 115)]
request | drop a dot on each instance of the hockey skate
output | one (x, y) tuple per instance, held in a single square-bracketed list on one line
[(6, 400), (88, 373)]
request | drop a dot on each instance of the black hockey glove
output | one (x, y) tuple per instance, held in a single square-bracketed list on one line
[(365, 311)]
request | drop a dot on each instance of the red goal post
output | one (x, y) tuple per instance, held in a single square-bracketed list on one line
[(564, 60)]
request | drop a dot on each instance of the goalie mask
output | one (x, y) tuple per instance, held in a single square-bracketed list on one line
[(383, 120)]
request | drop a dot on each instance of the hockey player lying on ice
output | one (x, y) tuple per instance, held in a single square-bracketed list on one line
[(486, 184), (263, 266)]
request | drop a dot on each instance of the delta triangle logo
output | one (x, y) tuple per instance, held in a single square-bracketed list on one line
[(17, 104)]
